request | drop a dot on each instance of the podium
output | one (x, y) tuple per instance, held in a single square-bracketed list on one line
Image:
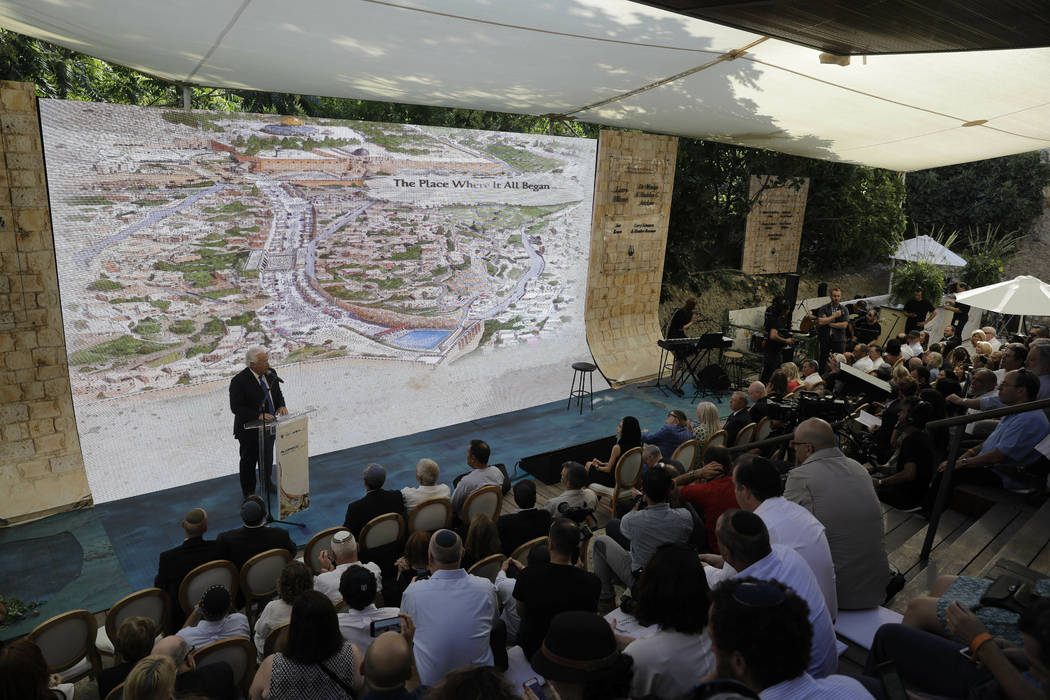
[(291, 457)]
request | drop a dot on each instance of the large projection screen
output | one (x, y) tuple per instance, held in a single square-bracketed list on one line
[(402, 277)]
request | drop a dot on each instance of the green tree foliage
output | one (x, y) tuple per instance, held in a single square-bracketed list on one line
[(1005, 192), (909, 276)]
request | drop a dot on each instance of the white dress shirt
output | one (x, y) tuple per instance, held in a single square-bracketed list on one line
[(791, 524), (414, 495), (206, 632), (328, 582), (474, 481), (784, 565), (453, 612), (864, 364), (356, 625), (276, 613), (669, 664), (806, 687)]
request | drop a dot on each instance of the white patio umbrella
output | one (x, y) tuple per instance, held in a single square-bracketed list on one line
[(926, 249), (1023, 296)]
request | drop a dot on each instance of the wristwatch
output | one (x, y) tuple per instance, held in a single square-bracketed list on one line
[(964, 461)]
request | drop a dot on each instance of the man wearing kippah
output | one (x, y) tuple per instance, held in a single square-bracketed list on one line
[(212, 620), (175, 563), (454, 613), (255, 537)]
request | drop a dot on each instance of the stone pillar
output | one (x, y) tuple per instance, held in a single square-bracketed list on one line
[(41, 466)]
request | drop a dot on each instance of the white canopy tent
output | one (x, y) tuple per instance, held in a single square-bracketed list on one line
[(612, 62), (926, 249), (1022, 296)]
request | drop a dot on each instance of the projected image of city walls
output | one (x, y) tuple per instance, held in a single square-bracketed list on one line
[(402, 277)]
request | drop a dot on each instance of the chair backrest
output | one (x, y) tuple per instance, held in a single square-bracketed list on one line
[(717, 439), (317, 544), (488, 567), (763, 428), (431, 514), (746, 435), (238, 652), (116, 694), (382, 530), (521, 553), (276, 640), (686, 453), (212, 573), (260, 573), (153, 603), (629, 468), (66, 639), (487, 500)]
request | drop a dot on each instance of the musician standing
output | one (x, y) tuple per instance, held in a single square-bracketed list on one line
[(778, 346), (680, 322), (832, 327)]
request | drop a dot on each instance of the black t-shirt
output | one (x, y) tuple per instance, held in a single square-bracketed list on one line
[(921, 308), (959, 317), (866, 332), (780, 325), (917, 448), (548, 589), (676, 329)]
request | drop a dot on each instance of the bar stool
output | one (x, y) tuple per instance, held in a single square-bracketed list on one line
[(734, 367), (583, 370)]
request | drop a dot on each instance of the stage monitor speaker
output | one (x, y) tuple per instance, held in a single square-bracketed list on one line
[(791, 289), (547, 466)]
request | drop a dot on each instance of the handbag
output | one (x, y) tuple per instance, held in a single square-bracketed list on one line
[(1009, 593)]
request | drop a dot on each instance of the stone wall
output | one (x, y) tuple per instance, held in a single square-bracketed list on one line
[(41, 466)]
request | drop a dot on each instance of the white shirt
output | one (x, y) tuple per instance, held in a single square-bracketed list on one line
[(916, 349), (472, 482), (505, 591), (414, 495), (574, 498), (453, 612), (669, 664), (328, 582), (784, 565), (809, 380), (995, 343), (206, 632), (356, 625), (791, 524), (864, 364), (276, 613), (806, 687)]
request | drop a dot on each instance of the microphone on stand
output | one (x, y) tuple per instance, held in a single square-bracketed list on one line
[(271, 376)]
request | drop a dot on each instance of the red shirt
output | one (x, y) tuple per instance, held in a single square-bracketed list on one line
[(713, 498)]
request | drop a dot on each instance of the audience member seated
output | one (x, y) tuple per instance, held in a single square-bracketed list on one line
[(574, 479), (24, 676), (671, 434), (761, 636), (134, 641), (427, 474), (859, 359), (646, 527), (867, 329), (295, 580), (453, 613), (152, 678), (333, 563), (213, 620), (652, 457), (905, 488), (376, 501), (387, 667), (480, 474), (254, 537), (175, 563), (998, 669), (756, 391), (706, 423), (528, 523), (921, 375), (759, 489), (738, 416), (473, 682), (744, 541), (546, 589), (506, 582), (839, 492), (810, 375), (777, 387), (316, 663), (410, 566), (482, 540), (628, 436), (893, 352), (792, 374), (1001, 460), (834, 383), (671, 593), (214, 681), (914, 344), (902, 389), (358, 588), (934, 360), (579, 659), (714, 494)]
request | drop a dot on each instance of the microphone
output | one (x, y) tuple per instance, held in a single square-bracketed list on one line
[(271, 376)]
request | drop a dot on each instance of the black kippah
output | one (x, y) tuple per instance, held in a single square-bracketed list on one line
[(746, 523), (445, 538)]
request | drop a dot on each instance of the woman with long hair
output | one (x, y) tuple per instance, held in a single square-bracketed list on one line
[(317, 663), (794, 380), (629, 436), (482, 540), (706, 423), (23, 674), (152, 678)]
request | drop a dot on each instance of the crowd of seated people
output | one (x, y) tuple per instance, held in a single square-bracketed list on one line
[(730, 570)]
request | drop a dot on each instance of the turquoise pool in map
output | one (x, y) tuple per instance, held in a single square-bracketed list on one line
[(421, 340)]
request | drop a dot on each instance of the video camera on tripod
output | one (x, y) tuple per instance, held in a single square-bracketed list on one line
[(579, 515), (793, 411)]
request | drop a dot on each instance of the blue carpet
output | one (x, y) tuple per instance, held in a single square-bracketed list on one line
[(121, 539)]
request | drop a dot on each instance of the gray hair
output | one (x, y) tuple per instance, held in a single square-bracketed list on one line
[(650, 451), (741, 395), (253, 353), (448, 553), (1042, 346), (427, 471), (988, 331)]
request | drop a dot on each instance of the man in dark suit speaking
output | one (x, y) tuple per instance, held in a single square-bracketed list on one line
[(255, 394)]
